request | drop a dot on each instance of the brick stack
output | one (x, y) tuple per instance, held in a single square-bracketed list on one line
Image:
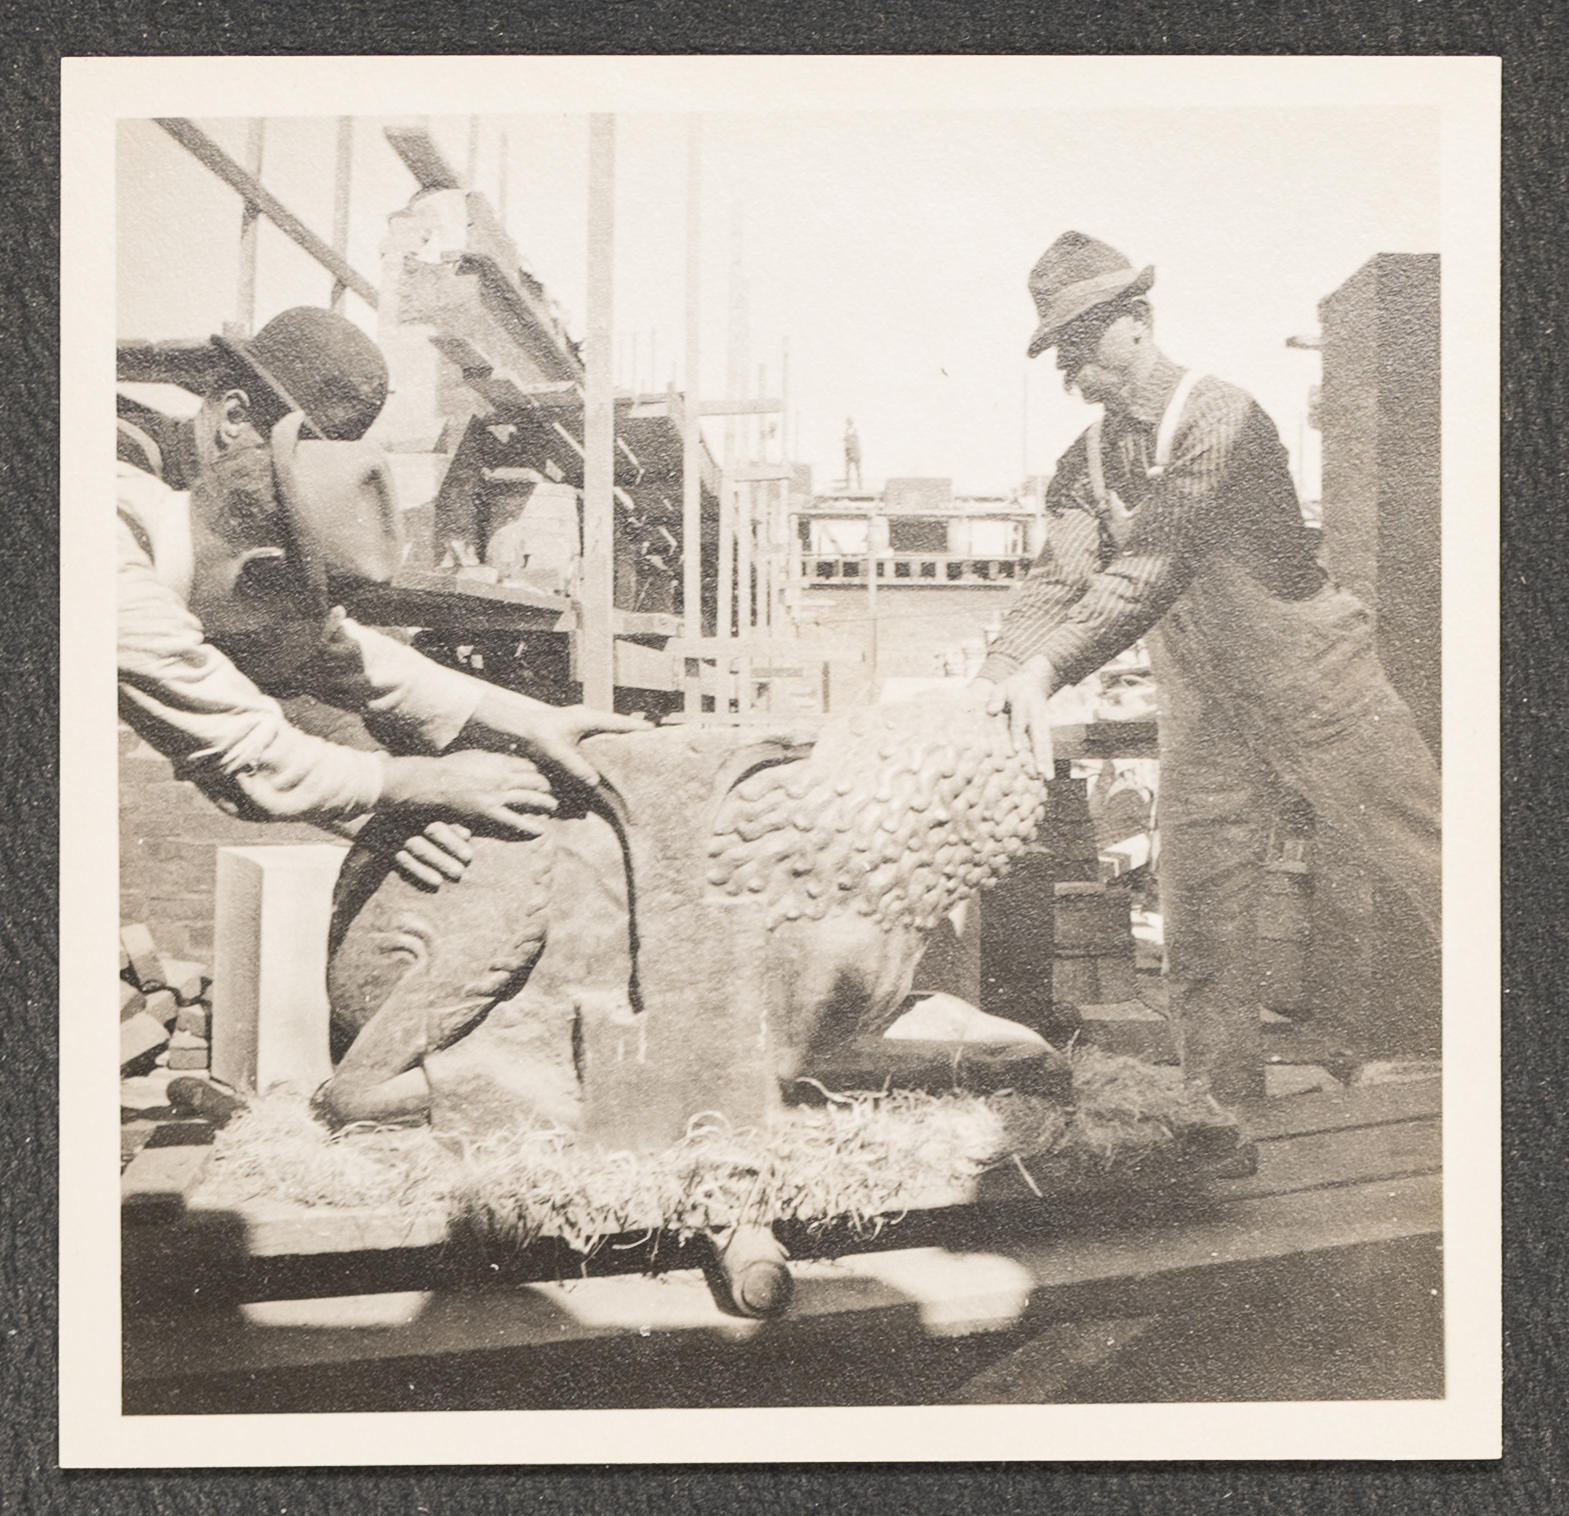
[(165, 1007), (1094, 966)]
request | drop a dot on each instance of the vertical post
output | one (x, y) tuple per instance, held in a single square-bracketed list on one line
[(786, 439), (340, 200), (596, 646), (250, 223), (503, 174), (765, 515), (724, 593), (691, 424), (735, 364), (746, 501), (871, 594), (1024, 425)]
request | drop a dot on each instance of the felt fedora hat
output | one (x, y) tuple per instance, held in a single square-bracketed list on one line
[(342, 512), (320, 364), (1074, 275)]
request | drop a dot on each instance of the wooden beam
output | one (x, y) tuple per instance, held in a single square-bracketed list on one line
[(724, 590), (245, 299), (342, 171), (691, 429), (207, 152), (596, 641), (414, 144), (754, 407)]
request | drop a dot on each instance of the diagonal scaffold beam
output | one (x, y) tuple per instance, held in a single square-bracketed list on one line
[(250, 189)]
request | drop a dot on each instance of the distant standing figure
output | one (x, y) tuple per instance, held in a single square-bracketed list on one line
[(852, 455)]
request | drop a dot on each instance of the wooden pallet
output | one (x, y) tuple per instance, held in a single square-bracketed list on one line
[(306, 1318)]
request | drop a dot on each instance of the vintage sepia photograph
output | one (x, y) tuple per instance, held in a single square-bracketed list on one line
[(781, 744)]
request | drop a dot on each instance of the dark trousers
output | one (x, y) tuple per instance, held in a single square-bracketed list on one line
[(1255, 692)]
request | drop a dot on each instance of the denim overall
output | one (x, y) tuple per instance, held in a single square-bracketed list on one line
[(1256, 691)]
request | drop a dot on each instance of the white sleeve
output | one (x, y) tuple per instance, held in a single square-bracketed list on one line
[(192, 704), (410, 704)]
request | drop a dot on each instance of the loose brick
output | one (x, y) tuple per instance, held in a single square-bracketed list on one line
[(141, 1036), (132, 1001), (163, 1006), (193, 1019), (188, 980), (138, 944), (185, 1059)]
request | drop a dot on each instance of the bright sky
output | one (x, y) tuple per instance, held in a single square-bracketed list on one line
[(888, 250)]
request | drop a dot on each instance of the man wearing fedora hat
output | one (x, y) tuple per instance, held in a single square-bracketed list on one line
[(1174, 516), (241, 531)]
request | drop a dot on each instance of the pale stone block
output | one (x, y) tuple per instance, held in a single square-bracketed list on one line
[(269, 1014)]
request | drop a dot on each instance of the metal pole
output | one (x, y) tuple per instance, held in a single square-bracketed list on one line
[(340, 201), (691, 426), (596, 645), (250, 217)]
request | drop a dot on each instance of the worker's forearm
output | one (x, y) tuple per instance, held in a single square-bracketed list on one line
[(497, 714)]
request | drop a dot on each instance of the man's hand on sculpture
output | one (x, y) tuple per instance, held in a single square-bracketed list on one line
[(550, 734), (441, 852), (1024, 696), (493, 791)]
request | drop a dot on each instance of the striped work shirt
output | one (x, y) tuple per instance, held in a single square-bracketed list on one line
[(1226, 489)]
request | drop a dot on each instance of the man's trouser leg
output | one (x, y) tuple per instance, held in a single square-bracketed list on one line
[(1350, 745), (1215, 800)]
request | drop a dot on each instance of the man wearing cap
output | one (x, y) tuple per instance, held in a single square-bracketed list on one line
[(239, 531), (1175, 516)]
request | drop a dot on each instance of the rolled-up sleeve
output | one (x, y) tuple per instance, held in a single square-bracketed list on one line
[(1067, 562), (409, 703), (192, 704)]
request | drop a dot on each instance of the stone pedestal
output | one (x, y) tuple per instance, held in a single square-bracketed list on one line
[(270, 1015)]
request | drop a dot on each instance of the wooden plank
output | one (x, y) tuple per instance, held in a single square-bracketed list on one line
[(758, 406), (435, 599), (1333, 1110), (206, 151), (277, 1229), (414, 144), (245, 298), (1136, 1270), (595, 644), (189, 363), (343, 165), (1347, 1157), (1352, 1155), (645, 668), (162, 1176)]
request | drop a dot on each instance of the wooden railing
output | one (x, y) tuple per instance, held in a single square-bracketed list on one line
[(913, 570)]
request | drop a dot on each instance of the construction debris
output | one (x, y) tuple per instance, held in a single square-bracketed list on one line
[(164, 1007)]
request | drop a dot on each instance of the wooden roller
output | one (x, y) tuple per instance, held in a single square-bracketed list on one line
[(751, 1277)]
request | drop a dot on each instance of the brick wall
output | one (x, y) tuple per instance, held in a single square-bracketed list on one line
[(170, 834)]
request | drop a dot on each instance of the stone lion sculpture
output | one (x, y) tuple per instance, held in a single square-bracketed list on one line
[(729, 906)]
